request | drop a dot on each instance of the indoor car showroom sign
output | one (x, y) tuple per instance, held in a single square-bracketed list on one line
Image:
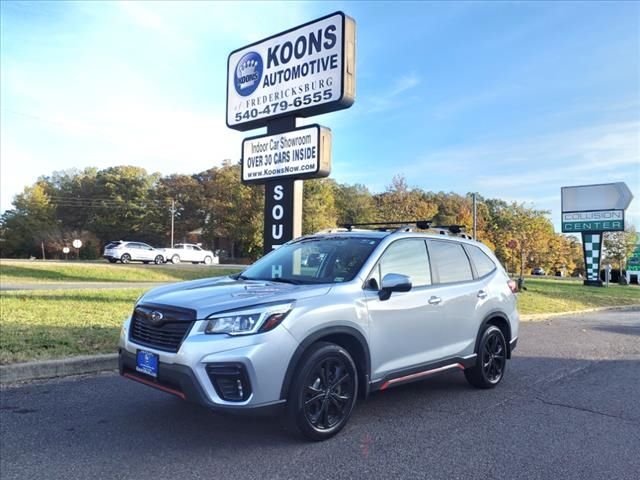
[(301, 153), (305, 71)]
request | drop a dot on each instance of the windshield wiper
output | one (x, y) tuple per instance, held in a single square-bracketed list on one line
[(239, 276), (283, 280)]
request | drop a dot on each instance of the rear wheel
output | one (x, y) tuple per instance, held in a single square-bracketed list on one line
[(323, 392), (175, 259), (125, 258), (491, 360), (158, 260), (112, 260)]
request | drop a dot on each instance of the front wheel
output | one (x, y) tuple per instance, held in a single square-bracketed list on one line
[(491, 360), (175, 259), (208, 260), (125, 258), (323, 392), (158, 260)]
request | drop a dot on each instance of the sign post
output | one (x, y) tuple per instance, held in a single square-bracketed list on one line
[(305, 71), (592, 210)]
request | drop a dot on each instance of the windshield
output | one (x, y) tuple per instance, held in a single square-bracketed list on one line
[(314, 260)]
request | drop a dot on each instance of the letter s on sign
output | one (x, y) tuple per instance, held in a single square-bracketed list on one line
[(278, 193)]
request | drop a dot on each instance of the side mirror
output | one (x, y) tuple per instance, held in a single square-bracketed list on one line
[(394, 282)]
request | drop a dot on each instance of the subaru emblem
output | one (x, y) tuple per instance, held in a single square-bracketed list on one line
[(156, 317)]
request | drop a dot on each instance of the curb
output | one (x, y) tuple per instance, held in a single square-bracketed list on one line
[(543, 316), (64, 367)]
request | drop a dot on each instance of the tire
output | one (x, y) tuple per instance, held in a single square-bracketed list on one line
[(125, 258), (323, 392), (175, 258), (146, 262), (491, 360), (158, 260), (208, 260), (195, 263), (112, 260)]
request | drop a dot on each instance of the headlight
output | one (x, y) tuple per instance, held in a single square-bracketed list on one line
[(257, 320)]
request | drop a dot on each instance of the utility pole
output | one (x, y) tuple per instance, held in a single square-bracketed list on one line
[(475, 216), (173, 213)]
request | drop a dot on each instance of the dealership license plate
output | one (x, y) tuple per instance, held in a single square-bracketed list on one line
[(147, 363)]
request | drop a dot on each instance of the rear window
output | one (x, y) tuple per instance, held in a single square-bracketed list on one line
[(112, 245), (450, 262), (484, 265)]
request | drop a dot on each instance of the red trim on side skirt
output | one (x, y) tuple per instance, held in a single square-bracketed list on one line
[(388, 383), (156, 385)]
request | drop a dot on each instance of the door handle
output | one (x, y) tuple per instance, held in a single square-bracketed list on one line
[(482, 294), (434, 300)]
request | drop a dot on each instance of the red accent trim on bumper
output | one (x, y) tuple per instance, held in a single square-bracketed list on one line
[(388, 383), (156, 385)]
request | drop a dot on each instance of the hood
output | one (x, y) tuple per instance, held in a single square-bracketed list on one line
[(211, 295)]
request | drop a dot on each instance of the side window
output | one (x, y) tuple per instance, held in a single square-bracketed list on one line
[(450, 261), (484, 265), (407, 257), (132, 245), (196, 248)]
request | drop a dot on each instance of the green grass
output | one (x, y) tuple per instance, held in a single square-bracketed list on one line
[(556, 296), (34, 272), (44, 324)]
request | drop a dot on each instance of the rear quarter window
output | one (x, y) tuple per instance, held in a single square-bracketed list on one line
[(450, 262), (484, 265)]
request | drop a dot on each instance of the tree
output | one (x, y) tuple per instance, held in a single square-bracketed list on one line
[(318, 208), (618, 247), (353, 204), (401, 203), (27, 228)]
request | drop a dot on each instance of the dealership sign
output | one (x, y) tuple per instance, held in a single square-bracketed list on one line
[(595, 208), (597, 221), (592, 210), (301, 153), (305, 71)]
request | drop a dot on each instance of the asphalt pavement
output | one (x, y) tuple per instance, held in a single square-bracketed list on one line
[(567, 409)]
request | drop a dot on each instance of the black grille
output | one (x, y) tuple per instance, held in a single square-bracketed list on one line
[(167, 334)]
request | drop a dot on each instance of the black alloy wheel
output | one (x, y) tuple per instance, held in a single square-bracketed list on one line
[(328, 393), (494, 357), (324, 392), (491, 359)]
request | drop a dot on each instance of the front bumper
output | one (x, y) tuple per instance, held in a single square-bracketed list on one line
[(263, 359), (179, 380)]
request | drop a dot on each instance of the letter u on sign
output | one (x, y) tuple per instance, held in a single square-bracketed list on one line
[(276, 231)]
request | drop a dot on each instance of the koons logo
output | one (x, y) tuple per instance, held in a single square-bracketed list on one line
[(248, 74)]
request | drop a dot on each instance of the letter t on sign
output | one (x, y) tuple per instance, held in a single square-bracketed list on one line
[(282, 212)]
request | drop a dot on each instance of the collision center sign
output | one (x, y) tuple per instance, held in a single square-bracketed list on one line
[(305, 71), (595, 208), (301, 153)]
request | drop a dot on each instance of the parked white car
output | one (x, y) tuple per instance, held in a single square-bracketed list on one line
[(189, 252), (132, 252)]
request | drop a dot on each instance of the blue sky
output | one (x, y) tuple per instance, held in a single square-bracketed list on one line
[(512, 100)]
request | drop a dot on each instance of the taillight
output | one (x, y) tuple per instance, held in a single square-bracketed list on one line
[(513, 286)]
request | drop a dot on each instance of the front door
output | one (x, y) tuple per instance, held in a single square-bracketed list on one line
[(406, 328)]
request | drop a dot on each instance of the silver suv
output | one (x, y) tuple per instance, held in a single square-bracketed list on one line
[(323, 320), (128, 252)]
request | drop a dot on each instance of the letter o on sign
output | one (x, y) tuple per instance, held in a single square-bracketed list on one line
[(277, 212)]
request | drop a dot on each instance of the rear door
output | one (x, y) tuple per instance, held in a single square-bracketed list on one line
[(404, 330), (453, 273)]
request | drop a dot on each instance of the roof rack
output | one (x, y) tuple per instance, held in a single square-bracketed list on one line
[(395, 226), (409, 226)]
